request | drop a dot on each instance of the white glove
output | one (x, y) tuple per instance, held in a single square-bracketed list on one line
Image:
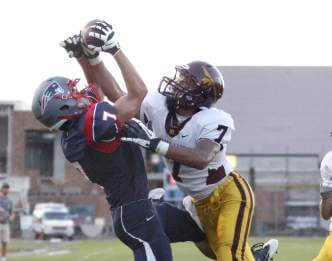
[(104, 38), (90, 54), (146, 139)]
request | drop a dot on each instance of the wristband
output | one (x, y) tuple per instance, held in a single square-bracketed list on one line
[(162, 148), (115, 49)]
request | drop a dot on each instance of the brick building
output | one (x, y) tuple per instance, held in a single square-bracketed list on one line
[(32, 154)]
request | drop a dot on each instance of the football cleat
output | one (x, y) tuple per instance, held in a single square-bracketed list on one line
[(265, 252)]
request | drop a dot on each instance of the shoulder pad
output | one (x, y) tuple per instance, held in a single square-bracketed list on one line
[(209, 116)]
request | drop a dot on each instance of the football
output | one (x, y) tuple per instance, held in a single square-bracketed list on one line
[(86, 38)]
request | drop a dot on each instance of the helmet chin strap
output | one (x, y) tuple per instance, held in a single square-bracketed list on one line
[(58, 124)]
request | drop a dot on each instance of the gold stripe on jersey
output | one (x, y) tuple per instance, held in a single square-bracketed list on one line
[(325, 253), (226, 217)]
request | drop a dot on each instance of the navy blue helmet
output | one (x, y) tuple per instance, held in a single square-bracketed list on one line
[(57, 100)]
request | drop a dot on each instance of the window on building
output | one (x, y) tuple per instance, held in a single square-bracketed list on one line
[(39, 152), (3, 143)]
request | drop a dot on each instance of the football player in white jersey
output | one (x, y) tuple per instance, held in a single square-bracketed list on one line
[(193, 136), (325, 253), (180, 114)]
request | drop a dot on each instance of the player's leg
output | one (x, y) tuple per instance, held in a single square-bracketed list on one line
[(205, 249), (226, 217), (5, 240), (261, 251), (2, 240), (242, 213), (138, 226), (178, 224), (325, 253), (3, 250), (180, 227)]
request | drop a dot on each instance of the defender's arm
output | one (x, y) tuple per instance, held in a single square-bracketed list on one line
[(198, 157)]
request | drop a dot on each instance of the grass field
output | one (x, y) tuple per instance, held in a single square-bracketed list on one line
[(290, 249)]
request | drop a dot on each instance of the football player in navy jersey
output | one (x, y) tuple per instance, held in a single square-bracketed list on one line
[(91, 138)]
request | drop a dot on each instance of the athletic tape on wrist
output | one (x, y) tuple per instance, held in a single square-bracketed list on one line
[(162, 148)]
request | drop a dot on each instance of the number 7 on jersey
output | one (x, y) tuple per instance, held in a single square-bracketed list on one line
[(107, 115), (223, 130)]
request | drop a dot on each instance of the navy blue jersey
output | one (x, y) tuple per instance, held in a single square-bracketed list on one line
[(94, 141)]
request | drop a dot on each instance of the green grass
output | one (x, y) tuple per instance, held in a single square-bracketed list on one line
[(290, 249)]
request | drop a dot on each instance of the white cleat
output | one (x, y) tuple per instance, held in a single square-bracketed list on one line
[(272, 246), (266, 251)]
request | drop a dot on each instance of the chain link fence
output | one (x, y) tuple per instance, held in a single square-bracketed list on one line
[(286, 188)]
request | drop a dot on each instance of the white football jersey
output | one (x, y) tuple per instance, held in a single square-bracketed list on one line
[(209, 123), (326, 168), (326, 176)]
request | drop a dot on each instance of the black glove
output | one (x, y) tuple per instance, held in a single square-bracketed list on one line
[(75, 48), (72, 45)]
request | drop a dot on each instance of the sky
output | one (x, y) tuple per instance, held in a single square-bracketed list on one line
[(157, 35)]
